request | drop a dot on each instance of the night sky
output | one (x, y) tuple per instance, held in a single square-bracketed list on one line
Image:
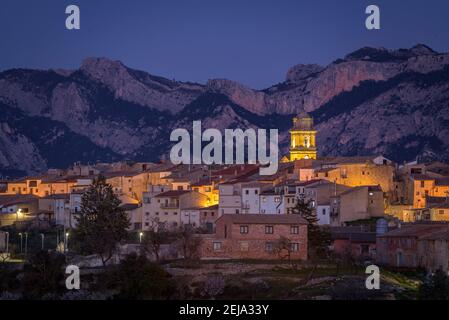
[(253, 42)]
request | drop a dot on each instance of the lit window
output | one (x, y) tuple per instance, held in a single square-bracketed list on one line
[(294, 230)]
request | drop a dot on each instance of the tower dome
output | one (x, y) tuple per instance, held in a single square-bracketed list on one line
[(303, 121)]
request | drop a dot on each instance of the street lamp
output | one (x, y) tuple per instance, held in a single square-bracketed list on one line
[(21, 242), (26, 242), (140, 237), (43, 239), (7, 242), (66, 242)]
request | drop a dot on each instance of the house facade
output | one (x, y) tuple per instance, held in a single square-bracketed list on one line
[(256, 236)]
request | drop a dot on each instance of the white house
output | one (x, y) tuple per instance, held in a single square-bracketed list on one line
[(190, 216), (271, 202), (230, 198), (251, 197)]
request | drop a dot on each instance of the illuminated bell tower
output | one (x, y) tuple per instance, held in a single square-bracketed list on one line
[(302, 138)]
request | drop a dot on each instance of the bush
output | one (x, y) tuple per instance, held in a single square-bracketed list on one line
[(136, 278), (435, 287)]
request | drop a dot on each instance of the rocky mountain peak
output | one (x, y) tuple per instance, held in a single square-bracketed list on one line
[(103, 68), (302, 71), (422, 49)]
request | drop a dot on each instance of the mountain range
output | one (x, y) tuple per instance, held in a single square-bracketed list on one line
[(372, 101)]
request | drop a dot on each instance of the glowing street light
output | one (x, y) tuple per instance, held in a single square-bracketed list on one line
[(66, 242), (140, 237)]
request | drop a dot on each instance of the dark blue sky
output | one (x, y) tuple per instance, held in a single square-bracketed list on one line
[(251, 41)]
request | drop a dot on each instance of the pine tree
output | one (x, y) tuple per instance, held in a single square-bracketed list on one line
[(318, 238), (102, 224)]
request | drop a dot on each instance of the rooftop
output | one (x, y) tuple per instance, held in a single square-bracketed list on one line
[(263, 218), (416, 230), (172, 193), (10, 200)]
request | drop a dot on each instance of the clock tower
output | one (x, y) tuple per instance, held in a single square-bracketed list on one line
[(302, 138)]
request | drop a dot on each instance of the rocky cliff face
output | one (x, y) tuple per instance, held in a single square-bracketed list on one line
[(372, 101)]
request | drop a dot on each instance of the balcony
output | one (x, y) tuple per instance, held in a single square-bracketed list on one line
[(172, 205)]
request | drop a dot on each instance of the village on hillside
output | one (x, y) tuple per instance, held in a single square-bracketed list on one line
[(375, 211)]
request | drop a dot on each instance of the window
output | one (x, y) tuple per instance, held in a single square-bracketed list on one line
[(207, 189), (244, 246), (256, 191), (32, 184), (237, 211), (147, 214), (147, 224), (323, 212), (422, 184), (268, 229), (196, 189), (277, 199), (294, 246), (166, 213), (157, 213), (364, 249), (441, 211), (205, 214), (212, 213), (246, 191), (217, 246), (244, 229), (294, 230), (269, 246)]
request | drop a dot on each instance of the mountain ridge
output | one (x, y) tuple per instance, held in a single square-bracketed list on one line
[(112, 112)]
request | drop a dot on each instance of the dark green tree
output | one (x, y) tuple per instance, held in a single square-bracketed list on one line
[(435, 287), (102, 224), (136, 278), (318, 237), (43, 276)]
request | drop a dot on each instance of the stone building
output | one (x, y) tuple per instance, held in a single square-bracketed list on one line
[(254, 236)]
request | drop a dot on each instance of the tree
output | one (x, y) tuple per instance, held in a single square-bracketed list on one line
[(283, 248), (318, 237), (188, 242), (153, 239), (43, 275), (435, 287), (136, 278), (102, 224)]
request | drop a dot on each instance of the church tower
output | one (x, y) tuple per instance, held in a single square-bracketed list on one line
[(302, 138)]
